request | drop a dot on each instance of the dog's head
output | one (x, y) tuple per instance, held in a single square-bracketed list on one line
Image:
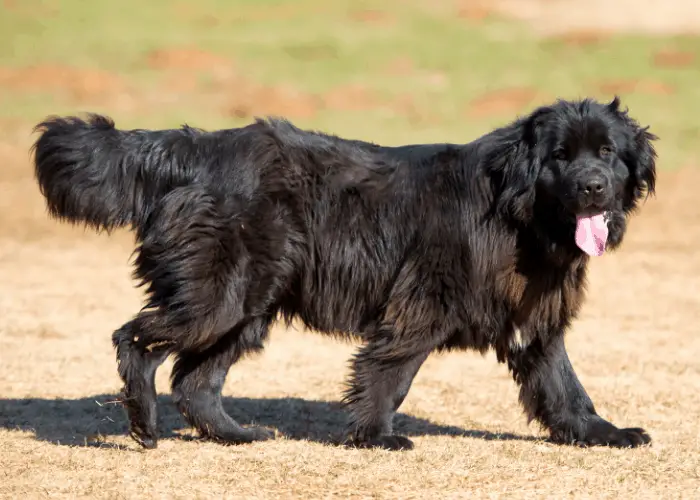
[(589, 165)]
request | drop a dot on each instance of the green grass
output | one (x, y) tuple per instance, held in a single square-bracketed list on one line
[(315, 46)]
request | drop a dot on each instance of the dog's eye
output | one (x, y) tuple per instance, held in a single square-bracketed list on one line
[(605, 151), (559, 155)]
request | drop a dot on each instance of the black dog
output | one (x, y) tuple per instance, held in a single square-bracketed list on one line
[(413, 249)]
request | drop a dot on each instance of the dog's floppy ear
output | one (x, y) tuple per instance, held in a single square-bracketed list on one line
[(639, 155), (516, 164), (645, 162), (533, 125)]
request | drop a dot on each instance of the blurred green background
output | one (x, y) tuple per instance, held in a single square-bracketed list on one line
[(391, 71)]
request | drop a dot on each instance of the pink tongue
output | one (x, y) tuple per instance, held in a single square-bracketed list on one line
[(592, 234)]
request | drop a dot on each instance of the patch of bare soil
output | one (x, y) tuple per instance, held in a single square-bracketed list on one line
[(79, 84), (372, 16), (182, 67), (186, 59), (230, 89), (649, 87), (226, 86), (674, 59), (581, 38), (350, 97), (34, 8), (471, 10), (248, 99), (401, 66), (504, 101)]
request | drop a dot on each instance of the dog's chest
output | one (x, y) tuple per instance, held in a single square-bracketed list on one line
[(513, 308), (538, 303)]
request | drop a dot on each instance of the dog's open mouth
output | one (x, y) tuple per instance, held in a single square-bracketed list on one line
[(592, 233)]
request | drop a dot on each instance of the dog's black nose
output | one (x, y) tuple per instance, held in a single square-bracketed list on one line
[(594, 188)]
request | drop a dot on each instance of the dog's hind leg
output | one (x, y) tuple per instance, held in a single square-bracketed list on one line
[(209, 301), (138, 363), (198, 378)]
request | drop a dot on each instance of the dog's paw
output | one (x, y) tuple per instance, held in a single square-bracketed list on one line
[(241, 435), (260, 433), (148, 440), (386, 442), (603, 433), (617, 438)]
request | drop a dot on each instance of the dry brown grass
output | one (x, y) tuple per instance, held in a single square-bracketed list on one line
[(63, 291)]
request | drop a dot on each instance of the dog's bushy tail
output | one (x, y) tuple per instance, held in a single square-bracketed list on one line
[(93, 173)]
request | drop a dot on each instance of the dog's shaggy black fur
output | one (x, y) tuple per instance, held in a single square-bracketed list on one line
[(413, 249)]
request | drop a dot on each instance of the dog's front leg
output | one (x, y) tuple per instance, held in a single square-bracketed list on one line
[(383, 371), (551, 393)]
